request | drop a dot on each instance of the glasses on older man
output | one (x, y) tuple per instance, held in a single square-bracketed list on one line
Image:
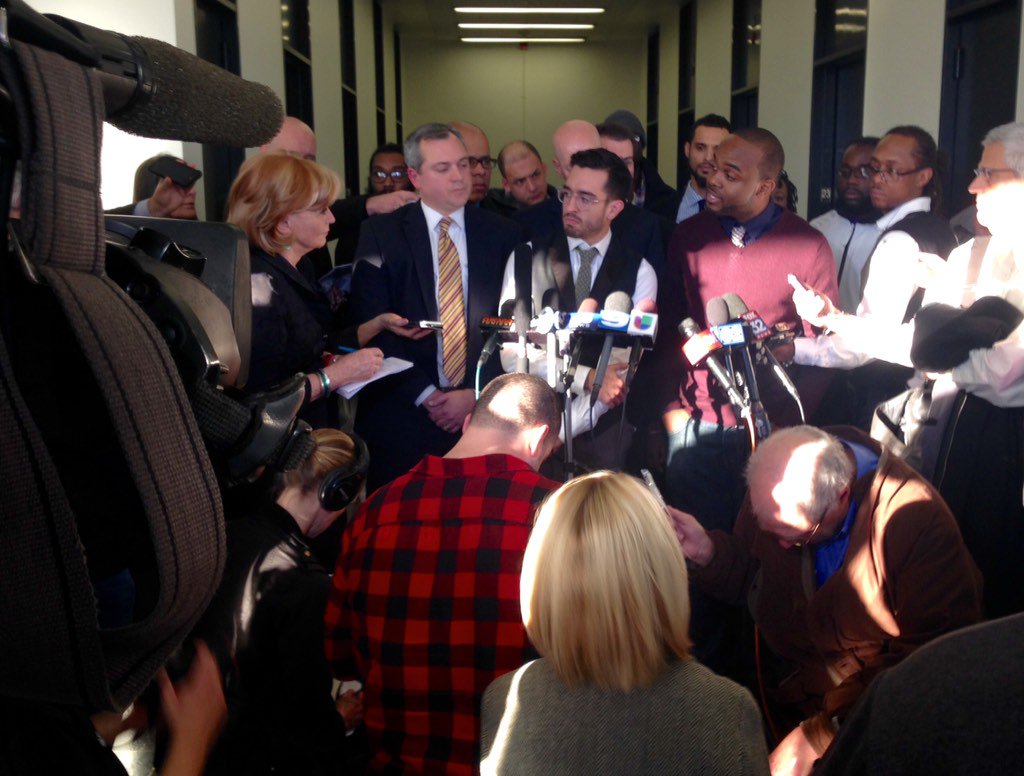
[(988, 172), (480, 161)]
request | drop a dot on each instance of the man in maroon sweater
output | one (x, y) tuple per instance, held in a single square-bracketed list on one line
[(744, 244)]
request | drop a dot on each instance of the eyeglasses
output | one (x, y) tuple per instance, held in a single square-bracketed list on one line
[(885, 173), (584, 198), (860, 171), (480, 161), (807, 537), (988, 172), (395, 175)]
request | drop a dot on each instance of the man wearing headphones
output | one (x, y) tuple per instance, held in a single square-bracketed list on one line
[(265, 624), (425, 605)]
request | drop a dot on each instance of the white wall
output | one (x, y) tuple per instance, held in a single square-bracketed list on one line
[(713, 74), (515, 94), (122, 152), (325, 47), (903, 72), (784, 93)]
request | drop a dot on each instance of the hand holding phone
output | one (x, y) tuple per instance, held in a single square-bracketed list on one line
[(181, 174)]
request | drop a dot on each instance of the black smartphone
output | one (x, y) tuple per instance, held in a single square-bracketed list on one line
[(168, 167), (434, 325)]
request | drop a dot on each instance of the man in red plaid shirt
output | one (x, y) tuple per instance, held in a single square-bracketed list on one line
[(425, 605)]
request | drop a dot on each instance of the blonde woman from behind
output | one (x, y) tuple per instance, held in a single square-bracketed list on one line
[(605, 602)]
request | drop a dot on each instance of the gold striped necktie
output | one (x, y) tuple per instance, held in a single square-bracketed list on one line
[(451, 306)]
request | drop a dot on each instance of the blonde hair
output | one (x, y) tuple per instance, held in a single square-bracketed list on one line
[(271, 186), (334, 450), (604, 589)]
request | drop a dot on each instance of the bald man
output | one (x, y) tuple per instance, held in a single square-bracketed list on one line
[(523, 174), (640, 230), (297, 137), (480, 161)]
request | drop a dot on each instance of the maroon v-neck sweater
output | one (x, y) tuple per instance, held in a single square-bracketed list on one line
[(703, 263)]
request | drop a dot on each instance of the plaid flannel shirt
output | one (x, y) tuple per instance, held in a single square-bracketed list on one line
[(425, 605)]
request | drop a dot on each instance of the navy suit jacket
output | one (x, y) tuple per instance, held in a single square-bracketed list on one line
[(394, 272), (640, 230)]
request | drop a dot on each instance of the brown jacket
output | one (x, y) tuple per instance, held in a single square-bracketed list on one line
[(906, 579)]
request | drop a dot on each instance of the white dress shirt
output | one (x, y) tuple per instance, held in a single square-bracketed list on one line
[(896, 271)]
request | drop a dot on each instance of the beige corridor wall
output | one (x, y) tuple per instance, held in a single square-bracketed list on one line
[(903, 71), (784, 93), (514, 94)]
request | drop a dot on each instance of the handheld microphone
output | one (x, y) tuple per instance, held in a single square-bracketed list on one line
[(494, 328), (717, 310), (551, 299), (617, 301), (688, 328), (588, 305), (153, 89)]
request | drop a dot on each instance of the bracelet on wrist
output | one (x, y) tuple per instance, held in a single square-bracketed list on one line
[(325, 381)]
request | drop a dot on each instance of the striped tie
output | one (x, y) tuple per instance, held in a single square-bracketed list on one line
[(451, 307), (738, 233)]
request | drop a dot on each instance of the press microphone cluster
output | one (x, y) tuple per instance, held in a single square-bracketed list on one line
[(736, 329)]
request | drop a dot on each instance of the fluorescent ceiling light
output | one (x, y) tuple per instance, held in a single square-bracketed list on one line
[(522, 40), (523, 9), (523, 26)]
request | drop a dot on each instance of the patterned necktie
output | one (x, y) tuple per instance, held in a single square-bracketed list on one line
[(737, 235), (451, 307), (583, 277)]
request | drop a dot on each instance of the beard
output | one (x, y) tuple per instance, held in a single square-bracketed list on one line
[(859, 213), (700, 180)]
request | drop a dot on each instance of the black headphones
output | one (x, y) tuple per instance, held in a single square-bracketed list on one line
[(341, 486)]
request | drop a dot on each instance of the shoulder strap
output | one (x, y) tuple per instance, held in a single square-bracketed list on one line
[(60, 113)]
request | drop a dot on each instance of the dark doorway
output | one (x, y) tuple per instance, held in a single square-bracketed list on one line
[(837, 116), (837, 112), (217, 42), (979, 85)]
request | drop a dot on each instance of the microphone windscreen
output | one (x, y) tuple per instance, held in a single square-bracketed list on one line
[(588, 305), (196, 101), (507, 308), (619, 301), (688, 327), (716, 311), (647, 306), (735, 305)]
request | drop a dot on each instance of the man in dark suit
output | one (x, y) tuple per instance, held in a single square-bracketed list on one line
[(586, 259), (640, 229), (434, 260)]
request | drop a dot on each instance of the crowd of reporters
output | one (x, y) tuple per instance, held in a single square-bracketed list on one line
[(808, 568)]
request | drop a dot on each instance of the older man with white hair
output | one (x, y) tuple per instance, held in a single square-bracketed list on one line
[(848, 559)]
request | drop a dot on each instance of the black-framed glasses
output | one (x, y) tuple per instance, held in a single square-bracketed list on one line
[(885, 173), (395, 175), (860, 171), (586, 199), (486, 162), (988, 172)]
